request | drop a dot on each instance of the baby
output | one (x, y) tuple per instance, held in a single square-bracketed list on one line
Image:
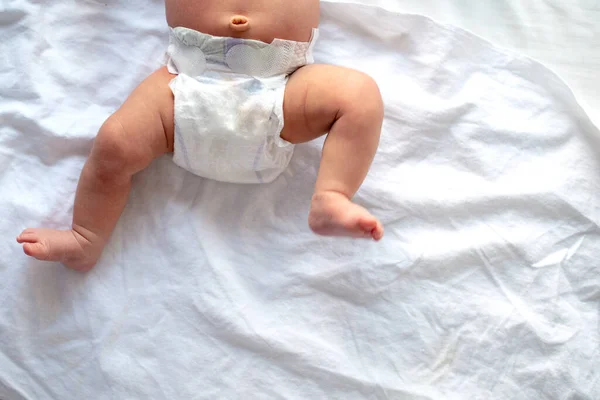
[(233, 99)]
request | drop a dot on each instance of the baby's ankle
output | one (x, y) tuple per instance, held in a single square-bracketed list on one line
[(329, 194)]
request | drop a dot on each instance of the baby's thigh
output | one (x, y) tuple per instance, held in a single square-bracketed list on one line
[(147, 116), (317, 95)]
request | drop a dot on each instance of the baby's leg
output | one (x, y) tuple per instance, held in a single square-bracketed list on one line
[(348, 105), (140, 131)]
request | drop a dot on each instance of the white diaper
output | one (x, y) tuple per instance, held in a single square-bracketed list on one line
[(229, 104)]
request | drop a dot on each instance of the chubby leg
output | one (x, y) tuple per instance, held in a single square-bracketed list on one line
[(348, 105), (140, 131)]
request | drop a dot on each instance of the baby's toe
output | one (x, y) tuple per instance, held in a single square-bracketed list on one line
[(378, 232), (367, 224), (36, 250), (371, 228), (27, 236)]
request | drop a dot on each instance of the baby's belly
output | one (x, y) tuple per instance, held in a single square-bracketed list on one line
[(267, 19)]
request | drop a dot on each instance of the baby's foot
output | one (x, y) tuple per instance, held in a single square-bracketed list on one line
[(68, 247), (333, 214)]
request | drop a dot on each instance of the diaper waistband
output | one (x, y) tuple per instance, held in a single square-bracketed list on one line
[(191, 52)]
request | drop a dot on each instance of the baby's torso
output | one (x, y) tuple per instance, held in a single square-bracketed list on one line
[(267, 19)]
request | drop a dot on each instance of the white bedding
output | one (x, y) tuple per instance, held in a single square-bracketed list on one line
[(563, 34), (486, 286)]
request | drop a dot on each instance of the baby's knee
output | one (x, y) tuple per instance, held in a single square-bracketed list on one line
[(113, 152), (362, 99)]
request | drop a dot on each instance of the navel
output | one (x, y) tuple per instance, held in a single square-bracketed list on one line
[(239, 23)]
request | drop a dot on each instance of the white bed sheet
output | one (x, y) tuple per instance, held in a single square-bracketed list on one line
[(562, 34), (486, 286)]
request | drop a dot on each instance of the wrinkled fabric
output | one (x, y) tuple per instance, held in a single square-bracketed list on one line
[(486, 285)]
